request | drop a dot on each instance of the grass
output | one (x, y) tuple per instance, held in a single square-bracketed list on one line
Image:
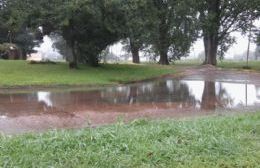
[(20, 73), (254, 65), (220, 141), (226, 64)]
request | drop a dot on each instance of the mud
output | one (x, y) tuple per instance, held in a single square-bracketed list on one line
[(199, 91)]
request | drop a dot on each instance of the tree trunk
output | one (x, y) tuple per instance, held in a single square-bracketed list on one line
[(164, 57), (211, 39), (135, 52), (211, 48), (23, 54), (205, 40), (163, 41), (133, 95), (74, 63), (93, 60)]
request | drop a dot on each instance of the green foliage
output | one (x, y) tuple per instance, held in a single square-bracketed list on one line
[(218, 19), (166, 28), (139, 22), (88, 27), (14, 27), (223, 141), (175, 29)]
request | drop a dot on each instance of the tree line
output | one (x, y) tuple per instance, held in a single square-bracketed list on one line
[(166, 28)]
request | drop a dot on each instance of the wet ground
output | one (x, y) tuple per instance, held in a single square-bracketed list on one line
[(201, 91)]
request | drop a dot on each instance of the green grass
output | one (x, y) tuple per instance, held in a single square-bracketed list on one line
[(220, 141), (20, 73), (254, 65), (226, 64)]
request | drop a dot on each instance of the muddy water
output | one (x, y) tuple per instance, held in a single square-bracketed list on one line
[(43, 110)]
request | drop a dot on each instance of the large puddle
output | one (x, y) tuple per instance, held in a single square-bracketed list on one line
[(43, 110)]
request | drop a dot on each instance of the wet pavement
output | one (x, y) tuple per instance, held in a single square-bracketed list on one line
[(200, 92)]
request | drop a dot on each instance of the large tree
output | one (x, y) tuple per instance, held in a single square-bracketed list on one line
[(138, 24), (87, 26), (219, 18), (175, 29)]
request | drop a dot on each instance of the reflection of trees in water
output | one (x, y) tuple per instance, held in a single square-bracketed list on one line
[(27, 104), (175, 94), (160, 92), (209, 98), (215, 97), (15, 104), (224, 99), (168, 92)]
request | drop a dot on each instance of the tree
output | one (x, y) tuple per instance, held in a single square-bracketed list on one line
[(218, 19), (87, 27), (175, 29), (14, 26), (138, 23)]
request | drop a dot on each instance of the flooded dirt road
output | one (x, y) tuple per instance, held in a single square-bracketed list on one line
[(199, 92)]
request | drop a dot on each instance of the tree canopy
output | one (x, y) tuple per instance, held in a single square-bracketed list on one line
[(166, 28), (14, 26), (219, 18)]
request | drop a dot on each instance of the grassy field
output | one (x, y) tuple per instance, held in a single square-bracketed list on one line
[(254, 65), (20, 73), (220, 141)]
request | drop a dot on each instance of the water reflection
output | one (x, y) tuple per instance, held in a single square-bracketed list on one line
[(173, 94), (204, 95), (168, 91), (44, 97)]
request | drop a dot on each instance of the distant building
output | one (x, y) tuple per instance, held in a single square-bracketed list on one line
[(10, 51)]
